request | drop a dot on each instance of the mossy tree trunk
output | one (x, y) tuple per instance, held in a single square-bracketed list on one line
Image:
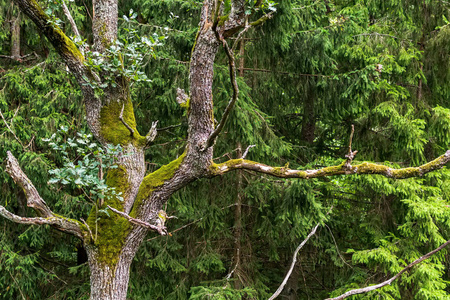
[(112, 240)]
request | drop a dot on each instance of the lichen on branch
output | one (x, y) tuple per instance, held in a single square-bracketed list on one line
[(342, 169)]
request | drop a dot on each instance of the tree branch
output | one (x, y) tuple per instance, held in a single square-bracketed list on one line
[(125, 123), (342, 169), (160, 230), (294, 260), (63, 45), (232, 68), (389, 281), (62, 224), (35, 201), (71, 20)]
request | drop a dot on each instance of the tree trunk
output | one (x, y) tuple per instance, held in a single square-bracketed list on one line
[(309, 120), (108, 282), (15, 36)]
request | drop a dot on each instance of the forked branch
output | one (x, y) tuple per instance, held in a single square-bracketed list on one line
[(342, 169), (389, 281), (35, 201)]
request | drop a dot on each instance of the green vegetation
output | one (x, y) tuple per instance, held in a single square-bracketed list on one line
[(305, 76)]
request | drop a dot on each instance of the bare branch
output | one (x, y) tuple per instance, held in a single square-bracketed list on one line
[(88, 228), (351, 154), (125, 123), (161, 231), (66, 225), (35, 201), (363, 168), (294, 260), (389, 281), (234, 98), (71, 20), (246, 150), (10, 130)]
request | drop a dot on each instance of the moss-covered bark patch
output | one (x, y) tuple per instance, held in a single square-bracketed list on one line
[(110, 230), (154, 180), (113, 130)]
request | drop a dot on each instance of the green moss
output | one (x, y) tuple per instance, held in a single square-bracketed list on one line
[(370, 168), (154, 180), (186, 104), (223, 19), (113, 130), (60, 41), (330, 170), (110, 230)]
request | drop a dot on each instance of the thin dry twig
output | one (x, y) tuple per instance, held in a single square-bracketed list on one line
[(294, 260)]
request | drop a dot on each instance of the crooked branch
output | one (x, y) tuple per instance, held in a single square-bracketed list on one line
[(389, 281), (35, 201), (232, 68), (160, 230), (294, 260), (342, 169)]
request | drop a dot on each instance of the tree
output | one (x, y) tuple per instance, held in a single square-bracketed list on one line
[(118, 224)]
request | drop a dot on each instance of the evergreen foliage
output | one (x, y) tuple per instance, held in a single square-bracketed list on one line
[(309, 73)]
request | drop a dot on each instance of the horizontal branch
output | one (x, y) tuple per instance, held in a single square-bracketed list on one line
[(342, 169), (160, 230), (62, 224), (389, 281)]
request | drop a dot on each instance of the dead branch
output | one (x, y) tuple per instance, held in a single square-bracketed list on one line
[(35, 201), (71, 21), (294, 260), (161, 231), (389, 281)]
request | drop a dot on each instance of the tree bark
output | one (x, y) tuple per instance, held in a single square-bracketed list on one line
[(15, 36)]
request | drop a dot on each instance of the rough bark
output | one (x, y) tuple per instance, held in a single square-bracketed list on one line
[(15, 37)]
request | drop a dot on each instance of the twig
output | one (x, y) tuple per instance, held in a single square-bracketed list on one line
[(246, 151), (123, 121), (89, 229), (168, 127), (294, 260), (178, 229), (71, 21), (389, 281), (161, 231), (376, 34), (351, 154), (337, 248)]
